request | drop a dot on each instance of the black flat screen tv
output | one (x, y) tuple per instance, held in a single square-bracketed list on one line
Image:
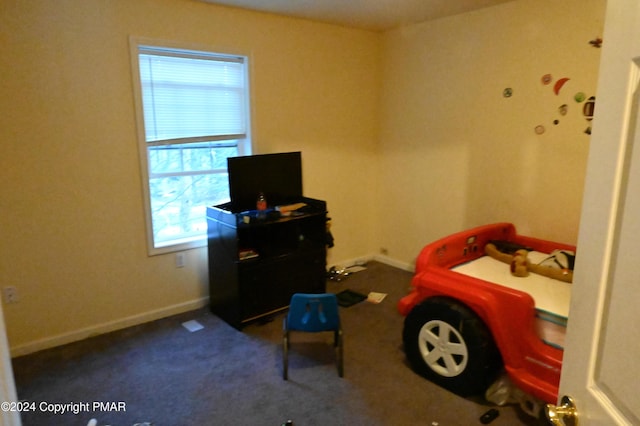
[(278, 176)]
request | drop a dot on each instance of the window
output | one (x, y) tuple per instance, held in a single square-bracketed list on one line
[(192, 114)]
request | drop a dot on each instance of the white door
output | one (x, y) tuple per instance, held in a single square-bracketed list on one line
[(601, 367), (8, 415)]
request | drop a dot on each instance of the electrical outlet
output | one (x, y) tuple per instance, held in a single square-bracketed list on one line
[(180, 260), (10, 294)]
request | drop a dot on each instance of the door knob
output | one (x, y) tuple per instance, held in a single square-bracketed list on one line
[(565, 414)]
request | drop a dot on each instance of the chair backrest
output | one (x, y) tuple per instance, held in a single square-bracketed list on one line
[(313, 312)]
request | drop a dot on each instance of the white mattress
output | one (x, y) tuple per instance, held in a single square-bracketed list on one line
[(551, 296)]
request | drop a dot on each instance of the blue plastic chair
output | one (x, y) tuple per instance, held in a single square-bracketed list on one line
[(312, 313)]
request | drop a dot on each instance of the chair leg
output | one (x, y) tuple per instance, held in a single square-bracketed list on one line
[(285, 358), (340, 352), (285, 351)]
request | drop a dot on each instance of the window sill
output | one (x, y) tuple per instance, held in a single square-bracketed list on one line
[(178, 245)]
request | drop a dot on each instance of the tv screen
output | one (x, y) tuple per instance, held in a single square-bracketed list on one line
[(278, 176)]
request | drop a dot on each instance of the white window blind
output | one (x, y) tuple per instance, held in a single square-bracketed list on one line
[(194, 108), (192, 95)]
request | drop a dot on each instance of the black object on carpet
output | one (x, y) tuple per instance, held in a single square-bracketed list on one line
[(348, 298)]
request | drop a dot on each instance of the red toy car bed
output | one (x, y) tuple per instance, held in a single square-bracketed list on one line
[(468, 316)]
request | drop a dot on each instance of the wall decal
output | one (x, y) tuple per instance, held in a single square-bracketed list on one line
[(596, 42), (562, 109), (587, 110), (561, 82), (589, 107), (557, 85)]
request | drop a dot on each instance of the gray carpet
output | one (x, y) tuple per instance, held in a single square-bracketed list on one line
[(167, 375)]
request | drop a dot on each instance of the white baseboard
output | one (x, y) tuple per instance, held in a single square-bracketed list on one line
[(395, 263), (94, 330), (83, 333), (378, 258)]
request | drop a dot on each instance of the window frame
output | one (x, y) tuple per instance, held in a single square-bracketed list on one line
[(244, 146)]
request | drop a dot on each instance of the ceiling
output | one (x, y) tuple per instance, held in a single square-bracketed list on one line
[(375, 15)]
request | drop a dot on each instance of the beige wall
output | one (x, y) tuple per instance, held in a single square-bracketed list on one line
[(72, 219), (405, 134), (455, 153)]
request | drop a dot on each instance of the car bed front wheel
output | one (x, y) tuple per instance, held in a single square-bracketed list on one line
[(442, 348), (447, 343)]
